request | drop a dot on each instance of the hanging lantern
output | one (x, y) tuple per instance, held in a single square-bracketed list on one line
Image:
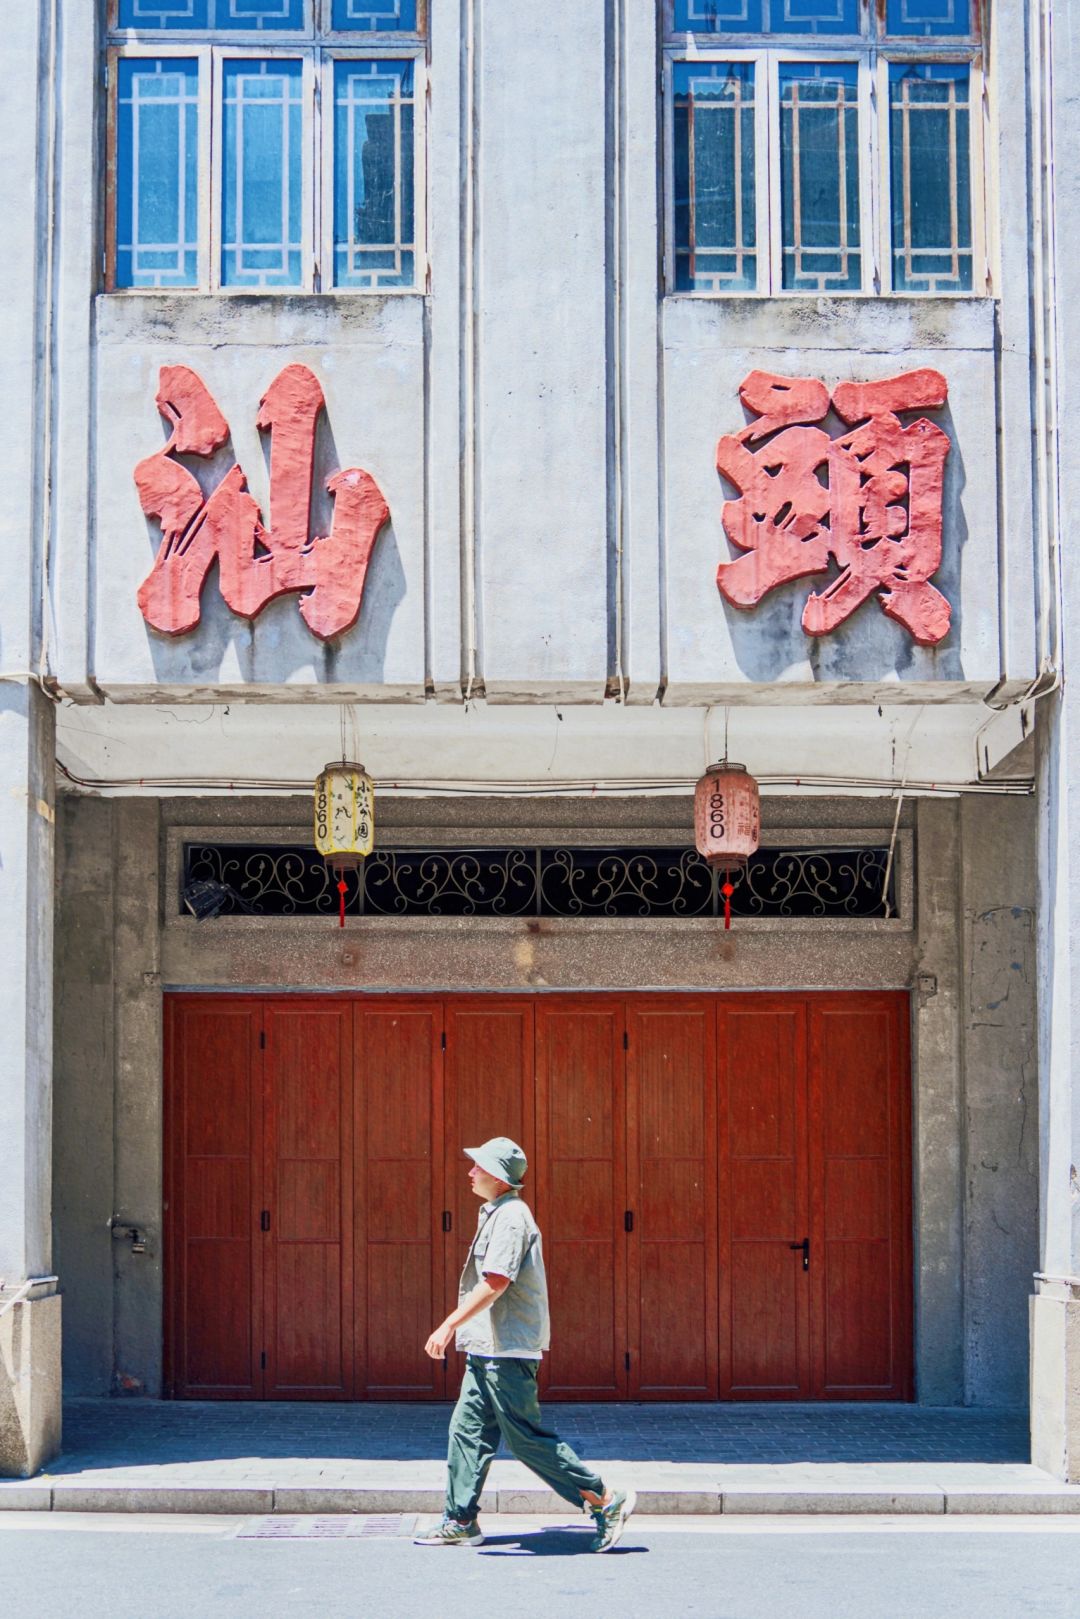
[(727, 822), (344, 821)]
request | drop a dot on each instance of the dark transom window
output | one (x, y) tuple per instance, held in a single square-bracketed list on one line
[(232, 879)]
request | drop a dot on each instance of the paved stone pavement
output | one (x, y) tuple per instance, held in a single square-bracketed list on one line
[(124, 1433), (164, 1456)]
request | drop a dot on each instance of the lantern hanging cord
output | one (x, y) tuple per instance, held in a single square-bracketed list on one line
[(896, 818)]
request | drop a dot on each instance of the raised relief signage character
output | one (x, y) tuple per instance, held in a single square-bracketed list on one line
[(870, 499), (255, 563)]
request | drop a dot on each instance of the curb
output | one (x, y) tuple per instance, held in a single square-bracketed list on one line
[(31, 1497)]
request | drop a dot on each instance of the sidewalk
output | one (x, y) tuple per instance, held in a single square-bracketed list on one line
[(178, 1456)]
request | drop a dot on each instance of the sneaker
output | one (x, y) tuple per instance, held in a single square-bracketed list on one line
[(450, 1533), (611, 1520)]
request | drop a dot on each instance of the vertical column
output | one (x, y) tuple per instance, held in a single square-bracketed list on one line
[(938, 1107), (542, 363), (29, 1314), (1001, 1189), (1055, 1305)]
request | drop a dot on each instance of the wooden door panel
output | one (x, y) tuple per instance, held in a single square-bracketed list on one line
[(399, 1260), (859, 1146), (214, 1302), (764, 1292), (307, 1154), (671, 1192), (489, 1092), (580, 1193)]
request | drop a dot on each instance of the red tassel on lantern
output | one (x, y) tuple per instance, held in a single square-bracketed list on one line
[(727, 822), (341, 891)]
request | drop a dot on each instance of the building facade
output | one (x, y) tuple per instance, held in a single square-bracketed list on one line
[(538, 404)]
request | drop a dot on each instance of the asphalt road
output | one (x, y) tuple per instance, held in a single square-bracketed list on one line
[(94, 1566)]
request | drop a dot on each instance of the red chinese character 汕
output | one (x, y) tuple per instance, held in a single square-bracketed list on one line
[(255, 563), (871, 499)]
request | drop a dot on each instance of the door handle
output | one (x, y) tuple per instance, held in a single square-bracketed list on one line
[(805, 1246)]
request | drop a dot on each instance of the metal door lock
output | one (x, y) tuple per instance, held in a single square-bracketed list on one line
[(130, 1233)]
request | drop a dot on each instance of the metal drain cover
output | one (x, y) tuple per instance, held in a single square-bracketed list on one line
[(335, 1526)]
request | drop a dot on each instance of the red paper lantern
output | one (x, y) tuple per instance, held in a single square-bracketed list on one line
[(727, 821)]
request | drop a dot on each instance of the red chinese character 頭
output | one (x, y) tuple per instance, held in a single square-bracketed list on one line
[(870, 499)]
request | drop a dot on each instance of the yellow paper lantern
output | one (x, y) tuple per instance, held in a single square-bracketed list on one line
[(344, 819)]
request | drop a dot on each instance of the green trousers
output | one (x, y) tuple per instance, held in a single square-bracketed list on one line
[(498, 1398)]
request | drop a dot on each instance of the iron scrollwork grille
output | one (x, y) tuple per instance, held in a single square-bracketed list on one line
[(567, 882)]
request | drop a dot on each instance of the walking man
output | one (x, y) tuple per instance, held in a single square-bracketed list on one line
[(501, 1325)]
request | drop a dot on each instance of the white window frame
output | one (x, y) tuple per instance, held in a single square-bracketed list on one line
[(325, 100), (875, 211), (317, 51)]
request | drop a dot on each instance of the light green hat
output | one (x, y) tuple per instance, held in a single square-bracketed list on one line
[(502, 1158)]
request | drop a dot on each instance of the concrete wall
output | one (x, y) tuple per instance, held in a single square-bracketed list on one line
[(542, 419), (120, 941)]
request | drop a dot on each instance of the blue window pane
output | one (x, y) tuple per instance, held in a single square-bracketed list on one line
[(942, 18), (715, 222), (374, 205), (243, 16), (157, 150), (930, 176), (775, 16), (819, 177), (374, 16), (261, 184), (262, 16), (719, 16), (192, 14), (814, 16)]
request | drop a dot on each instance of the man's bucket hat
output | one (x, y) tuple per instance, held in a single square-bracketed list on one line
[(502, 1158)]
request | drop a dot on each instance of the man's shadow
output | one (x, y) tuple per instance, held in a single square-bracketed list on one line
[(558, 1541)]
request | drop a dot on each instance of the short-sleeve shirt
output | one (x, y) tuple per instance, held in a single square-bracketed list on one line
[(507, 1243)]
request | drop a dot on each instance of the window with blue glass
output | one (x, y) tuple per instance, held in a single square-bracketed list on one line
[(374, 205), (197, 16), (375, 16), (225, 173), (776, 121), (819, 177), (715, 218), (157, 155), (262, 174)]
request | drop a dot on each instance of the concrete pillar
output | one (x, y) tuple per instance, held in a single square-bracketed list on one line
[(30, 1328), (1055, 1304)]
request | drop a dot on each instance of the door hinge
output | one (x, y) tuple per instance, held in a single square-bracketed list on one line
[(626, 1360), (628, 1220), (262, 1039), (262, 1361), (264, 1220), (447, 1220)]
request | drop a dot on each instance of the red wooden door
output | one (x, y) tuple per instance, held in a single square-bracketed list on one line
[(671, 1195), (488, 1092), (580, 1192), (307, 1248), (214, 1295), (764, 1198), (860, 1179), (398, 1178)]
